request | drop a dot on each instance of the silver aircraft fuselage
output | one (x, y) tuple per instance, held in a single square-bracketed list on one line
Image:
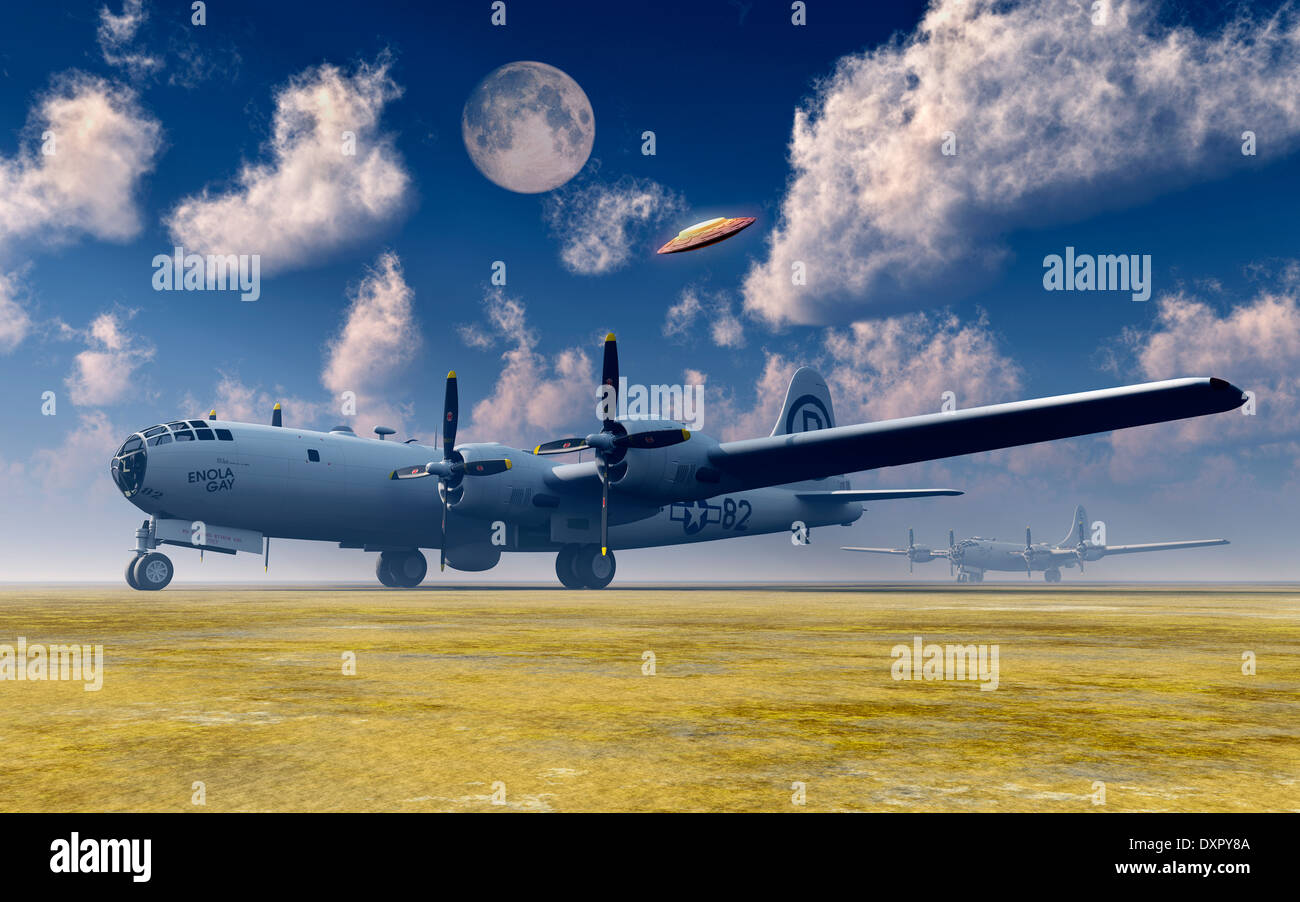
[(302, 484)]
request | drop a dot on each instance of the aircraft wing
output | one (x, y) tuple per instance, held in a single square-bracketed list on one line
[(876, 550), (842, 495), (1163, 546), (781, 459)]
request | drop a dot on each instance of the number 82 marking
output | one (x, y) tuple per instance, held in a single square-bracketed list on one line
[(731, 509)]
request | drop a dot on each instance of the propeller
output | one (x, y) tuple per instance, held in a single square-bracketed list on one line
[(1081, 550), (275, 415), (1027, 553), (911, 549), (453, 467), (952, 551), (612, 443)]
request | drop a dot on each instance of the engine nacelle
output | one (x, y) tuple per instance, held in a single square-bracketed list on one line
[(502, 496), (473, 557), (674, 473)]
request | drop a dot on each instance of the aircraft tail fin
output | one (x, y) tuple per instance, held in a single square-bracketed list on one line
[(807, 404), (1078, 528)]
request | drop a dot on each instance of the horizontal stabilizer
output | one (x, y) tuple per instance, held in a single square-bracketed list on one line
[(845, 495)]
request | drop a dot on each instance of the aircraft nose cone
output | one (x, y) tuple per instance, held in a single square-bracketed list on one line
[(127, 465)]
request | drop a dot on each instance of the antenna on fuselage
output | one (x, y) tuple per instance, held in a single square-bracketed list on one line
[(275, 415)]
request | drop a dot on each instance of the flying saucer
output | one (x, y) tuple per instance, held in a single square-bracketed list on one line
[(711, 231)]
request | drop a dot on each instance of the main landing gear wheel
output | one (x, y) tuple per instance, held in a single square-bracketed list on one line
[(403, 569), (381, 571), (593, 569), (564, 567), (152, 571), (1052, 576), (130, 573)]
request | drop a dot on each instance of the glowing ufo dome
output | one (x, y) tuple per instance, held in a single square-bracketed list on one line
[(702, 234)]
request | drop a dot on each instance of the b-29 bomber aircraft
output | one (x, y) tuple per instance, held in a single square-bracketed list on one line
[(226, 487), (972, 557)]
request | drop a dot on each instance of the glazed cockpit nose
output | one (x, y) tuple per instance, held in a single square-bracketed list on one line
[(128, 465)]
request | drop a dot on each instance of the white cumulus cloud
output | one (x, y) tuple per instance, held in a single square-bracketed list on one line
[(536, 395), (238, 401), (377, 340), (93, 440), (117, 35), (1053, 116), (725, 328), (15, 322), (104, 372), (310, 196), (901, 366), (91, 144), (1254, 344), (879, 369), (599, 224)]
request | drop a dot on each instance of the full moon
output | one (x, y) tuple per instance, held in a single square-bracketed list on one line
[(528, 127)]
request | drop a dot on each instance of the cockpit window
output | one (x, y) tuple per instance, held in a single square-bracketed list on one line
[(199, 424), (132, 444), (224, 435), (205, 435), (185, 436), (156, 430), (159, 440)]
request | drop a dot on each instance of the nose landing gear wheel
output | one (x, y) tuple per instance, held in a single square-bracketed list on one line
[(152, 571)]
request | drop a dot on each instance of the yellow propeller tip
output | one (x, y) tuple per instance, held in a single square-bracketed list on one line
[(610, 337), (537, 449), (277, 405), (603, 551), (686, 433), (508, 463), (451, 374)]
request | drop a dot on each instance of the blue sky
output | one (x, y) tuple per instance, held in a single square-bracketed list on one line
[(927, 270)]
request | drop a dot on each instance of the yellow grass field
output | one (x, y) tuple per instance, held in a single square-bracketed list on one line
[(755, 689)]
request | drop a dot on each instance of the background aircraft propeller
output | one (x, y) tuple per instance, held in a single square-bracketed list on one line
[(1080, 550), (453, 467), (612, 443), (1027, 554)]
